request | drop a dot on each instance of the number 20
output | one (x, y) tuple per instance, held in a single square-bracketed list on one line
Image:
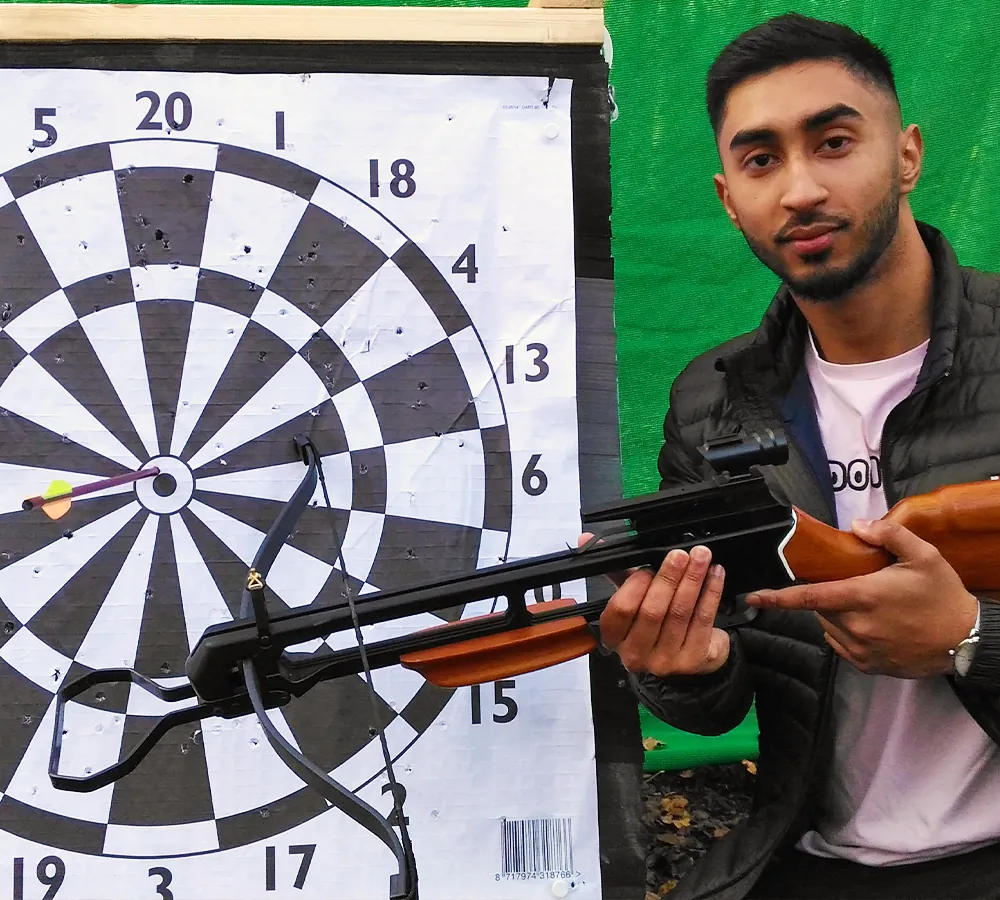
[(169, 111)]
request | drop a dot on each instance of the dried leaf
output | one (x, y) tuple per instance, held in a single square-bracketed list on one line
[(651, 896), (667, 887), (652, 743), (673, 803), (721, 831), (751, 766), (680, 821), (686, 773), (675, 840)]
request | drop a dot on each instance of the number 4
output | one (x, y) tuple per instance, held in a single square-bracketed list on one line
[(469, 269)]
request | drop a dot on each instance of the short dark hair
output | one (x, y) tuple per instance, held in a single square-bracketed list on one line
[(787, 39)]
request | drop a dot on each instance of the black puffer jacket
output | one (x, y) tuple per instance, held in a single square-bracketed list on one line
[(947, 431)]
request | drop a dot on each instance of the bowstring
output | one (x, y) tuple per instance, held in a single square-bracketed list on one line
[(386, 756)]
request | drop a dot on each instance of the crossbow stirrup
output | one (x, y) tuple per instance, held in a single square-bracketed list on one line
[(402, 885)]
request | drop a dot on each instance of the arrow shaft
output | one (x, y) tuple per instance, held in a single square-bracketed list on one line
[(92, 487)]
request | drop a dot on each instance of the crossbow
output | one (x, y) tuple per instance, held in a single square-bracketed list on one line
[(242, 667)]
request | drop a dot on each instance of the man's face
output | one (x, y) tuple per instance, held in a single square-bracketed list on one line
[(810, 156)]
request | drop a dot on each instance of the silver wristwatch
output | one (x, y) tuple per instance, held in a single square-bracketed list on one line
[(964, 653)]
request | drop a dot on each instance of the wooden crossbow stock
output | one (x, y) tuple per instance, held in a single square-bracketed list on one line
[(240, 667)]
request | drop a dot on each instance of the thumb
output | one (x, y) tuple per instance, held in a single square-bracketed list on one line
[(719, 645), (616, 578), (898, 540)]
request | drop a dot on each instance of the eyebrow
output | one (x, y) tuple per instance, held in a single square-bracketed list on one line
[(814, 122)]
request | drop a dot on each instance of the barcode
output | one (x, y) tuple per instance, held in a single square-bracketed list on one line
[(534, 846)]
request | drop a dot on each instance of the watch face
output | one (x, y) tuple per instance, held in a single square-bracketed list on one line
[(964, 654)]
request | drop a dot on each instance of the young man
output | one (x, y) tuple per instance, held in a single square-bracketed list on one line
[(878, 698)]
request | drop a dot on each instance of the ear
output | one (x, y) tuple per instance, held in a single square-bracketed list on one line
[(722, 191), (911, 156)]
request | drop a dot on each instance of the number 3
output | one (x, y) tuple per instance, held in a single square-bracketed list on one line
[(165, 877)]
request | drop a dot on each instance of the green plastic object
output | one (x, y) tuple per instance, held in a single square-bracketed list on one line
[(680, 750)]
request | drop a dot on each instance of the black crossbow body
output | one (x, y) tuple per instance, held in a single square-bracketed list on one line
[(241, 667)]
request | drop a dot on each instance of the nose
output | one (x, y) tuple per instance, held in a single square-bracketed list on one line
[(802, 189)]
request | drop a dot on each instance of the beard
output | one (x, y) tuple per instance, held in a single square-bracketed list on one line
[(827, 283)]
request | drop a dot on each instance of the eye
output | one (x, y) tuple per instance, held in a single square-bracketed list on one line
[(837, 142), (757, 161)]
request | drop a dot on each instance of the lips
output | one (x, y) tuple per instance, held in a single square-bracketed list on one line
[(813, 239)]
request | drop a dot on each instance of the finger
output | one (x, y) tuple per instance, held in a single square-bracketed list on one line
[(898, 540), (635, 647), (839, 649), (676, 618), (829, 596), (617, 618), (693, 654), (833, 628), (699, 630)]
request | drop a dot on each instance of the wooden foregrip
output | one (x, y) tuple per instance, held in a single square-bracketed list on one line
[(961, 520), (479, 660)]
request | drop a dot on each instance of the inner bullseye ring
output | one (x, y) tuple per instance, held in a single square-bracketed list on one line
[(170, 491)]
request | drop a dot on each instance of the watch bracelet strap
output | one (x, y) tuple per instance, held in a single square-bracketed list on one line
[(985, 669)]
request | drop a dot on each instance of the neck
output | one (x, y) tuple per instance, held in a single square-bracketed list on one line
[(888, 314)]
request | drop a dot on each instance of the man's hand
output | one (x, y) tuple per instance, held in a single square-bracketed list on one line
[(662, 622), (901, 620)]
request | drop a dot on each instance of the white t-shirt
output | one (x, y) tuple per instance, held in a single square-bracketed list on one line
[(913, 777)]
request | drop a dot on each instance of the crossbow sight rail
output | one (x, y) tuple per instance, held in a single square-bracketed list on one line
[(241, 667)]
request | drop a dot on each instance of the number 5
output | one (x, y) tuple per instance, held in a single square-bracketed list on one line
[(48, 129)]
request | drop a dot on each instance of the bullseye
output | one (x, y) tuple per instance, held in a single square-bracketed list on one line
[(170, 491)]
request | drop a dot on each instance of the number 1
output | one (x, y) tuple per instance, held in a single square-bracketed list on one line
[(279, 130)]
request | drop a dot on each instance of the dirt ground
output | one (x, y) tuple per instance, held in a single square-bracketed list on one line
[(685, 812)]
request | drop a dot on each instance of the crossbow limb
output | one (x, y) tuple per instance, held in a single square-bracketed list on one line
[(257, 697)]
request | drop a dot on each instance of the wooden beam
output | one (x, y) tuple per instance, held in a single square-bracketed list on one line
[(168, 22), (567, 4)]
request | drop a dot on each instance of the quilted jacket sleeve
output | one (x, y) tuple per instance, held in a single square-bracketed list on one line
[(700, 704)]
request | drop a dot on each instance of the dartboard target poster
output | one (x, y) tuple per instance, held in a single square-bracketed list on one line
[(194, 267)]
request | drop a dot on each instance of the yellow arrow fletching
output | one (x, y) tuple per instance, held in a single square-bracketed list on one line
[(57, 489)]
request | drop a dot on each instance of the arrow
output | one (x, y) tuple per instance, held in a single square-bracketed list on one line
[(58, 498)]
